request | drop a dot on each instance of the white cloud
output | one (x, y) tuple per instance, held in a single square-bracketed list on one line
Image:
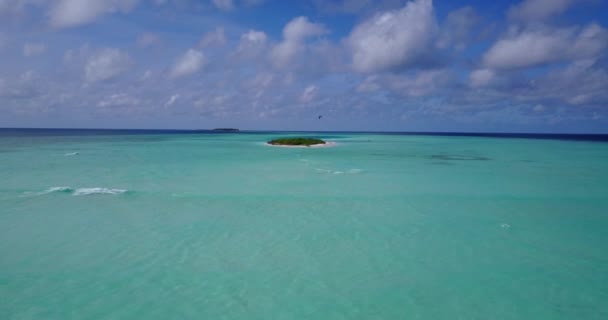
[(481, 77), (541, 46), (189, 63), (253, 36), (295, 34), (370, 84), (216, 37), (68, 13), (148, 39), (393, 39), (106, 64), (300, 28), (535, 10), (32, 49), (309, 94), (118, 100), (252, 44), (539, 108), (172, 100), (581, 83), (224, 5), (252, 40)]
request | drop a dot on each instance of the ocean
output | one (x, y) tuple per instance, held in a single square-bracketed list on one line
[(98, 224)]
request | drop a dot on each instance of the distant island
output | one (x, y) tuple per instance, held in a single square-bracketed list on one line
[(226, 130), (296, 142)]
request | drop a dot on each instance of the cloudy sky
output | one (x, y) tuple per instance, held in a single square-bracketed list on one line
[(397, 65)]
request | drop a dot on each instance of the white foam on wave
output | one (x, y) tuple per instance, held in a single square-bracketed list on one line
[(338, 172), (505, 226), (71, 154), (92, 191), (78, 192), (56, 189)]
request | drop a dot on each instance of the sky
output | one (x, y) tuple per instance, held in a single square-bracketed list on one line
[(364, 65)]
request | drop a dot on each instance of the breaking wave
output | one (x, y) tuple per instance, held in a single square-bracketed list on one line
[(56, 189), (82, 191), (91, 191)]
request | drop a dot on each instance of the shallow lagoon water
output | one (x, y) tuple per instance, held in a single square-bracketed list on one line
[(202, 226)]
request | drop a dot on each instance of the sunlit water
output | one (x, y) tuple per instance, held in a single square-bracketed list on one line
[(202, 226)]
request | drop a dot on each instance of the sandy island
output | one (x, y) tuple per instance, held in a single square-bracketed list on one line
[(321, 145)]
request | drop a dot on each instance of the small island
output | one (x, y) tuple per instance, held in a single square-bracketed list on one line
[(302, 142), (225, 130)]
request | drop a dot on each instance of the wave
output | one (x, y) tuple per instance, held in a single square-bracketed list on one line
[(82, 191), (350, 171), (91, 191), (71, 154), (56, 189)]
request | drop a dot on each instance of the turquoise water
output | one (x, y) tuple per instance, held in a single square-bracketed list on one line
[(377, 227)]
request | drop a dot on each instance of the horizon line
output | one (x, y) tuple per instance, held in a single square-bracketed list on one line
[(306, 131)]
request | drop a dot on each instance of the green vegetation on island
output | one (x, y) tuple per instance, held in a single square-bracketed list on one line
[(226, 130), (296, 142)]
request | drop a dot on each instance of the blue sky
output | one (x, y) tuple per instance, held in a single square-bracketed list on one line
[(394, 65)]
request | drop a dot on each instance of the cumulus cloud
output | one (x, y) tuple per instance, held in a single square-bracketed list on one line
[(68, 13), (253, 37), (582, 83), (106, 64), (545, 45), (295, 34), (481, 77), (189, 63), (216, 37), (251, 44), (536, 10), (393, 39), (32, 49), (378, 71)]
